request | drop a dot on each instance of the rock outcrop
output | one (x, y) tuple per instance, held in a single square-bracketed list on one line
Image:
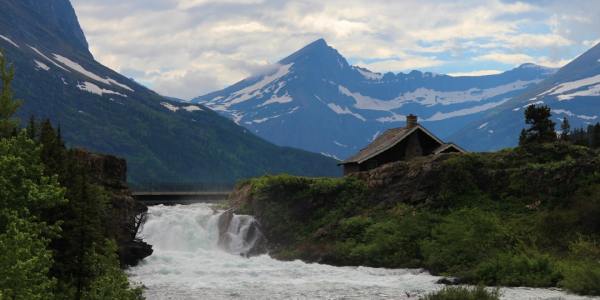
[(128, 215)]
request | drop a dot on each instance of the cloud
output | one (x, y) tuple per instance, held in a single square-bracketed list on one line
[(185, 48), (505, 58), (397, 65)]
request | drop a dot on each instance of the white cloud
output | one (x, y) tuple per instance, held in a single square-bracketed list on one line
[(407, 63), (185, 48)]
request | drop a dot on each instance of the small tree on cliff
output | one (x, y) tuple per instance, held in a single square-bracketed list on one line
[(541, 128), (565, 128), (8, 105)]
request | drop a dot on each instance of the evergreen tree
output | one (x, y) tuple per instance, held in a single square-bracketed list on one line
[(565, 128), (594, 133), (25, 193), (31, 128), (8, 105), (541, 127)]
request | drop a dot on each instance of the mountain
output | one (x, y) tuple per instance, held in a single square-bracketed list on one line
[(164, 141), (315, 100), (572, 92)]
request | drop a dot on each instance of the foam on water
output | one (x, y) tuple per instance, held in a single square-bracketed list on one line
[(189, 264)]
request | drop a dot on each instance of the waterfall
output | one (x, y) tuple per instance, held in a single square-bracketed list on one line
[(239, 234), (203, 229)]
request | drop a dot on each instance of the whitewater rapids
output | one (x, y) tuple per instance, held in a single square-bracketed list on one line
[(189, 263)]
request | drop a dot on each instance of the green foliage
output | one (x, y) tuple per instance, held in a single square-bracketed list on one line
[(25, 260), (50, 247), (565, 128), (384, 240), (8, 105), (463, 239), (25, 192), (582, 277), (581, 269), (463, 293), (521, 269), (541, 128), (109, 280)]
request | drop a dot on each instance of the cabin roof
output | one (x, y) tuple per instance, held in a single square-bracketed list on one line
[(444, 147), (387, 140)]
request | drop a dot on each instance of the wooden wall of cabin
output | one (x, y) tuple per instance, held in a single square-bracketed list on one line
[(418, 144)]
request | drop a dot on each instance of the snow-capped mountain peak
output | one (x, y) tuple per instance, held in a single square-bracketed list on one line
[(314, 100)]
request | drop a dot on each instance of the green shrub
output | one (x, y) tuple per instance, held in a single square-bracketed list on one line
[(463, 293), (582, 277), (390, 241), (582, 270), (464, 239), (509, 269)]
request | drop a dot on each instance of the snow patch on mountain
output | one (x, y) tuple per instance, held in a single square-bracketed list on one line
[(533, 103), (593, 84), (482, 125), (40, 65), (9, 41), (169, 106), (375, 136), (255, 90), (81, 70), (340, 144), (192, 108), (428, 97), (258, 121), (94, 89), (278, 99), (48, 58), (571, 114), (330, 155), (393, 118), (345, 111), (438, 116), (368, 74)]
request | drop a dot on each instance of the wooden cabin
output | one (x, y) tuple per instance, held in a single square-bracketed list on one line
[(398, 144)]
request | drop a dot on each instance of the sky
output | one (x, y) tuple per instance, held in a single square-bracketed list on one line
[(187, 48)]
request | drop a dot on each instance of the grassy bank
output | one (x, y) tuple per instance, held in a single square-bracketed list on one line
[(520, 217)]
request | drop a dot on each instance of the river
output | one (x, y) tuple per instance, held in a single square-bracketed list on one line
[(187, 263)]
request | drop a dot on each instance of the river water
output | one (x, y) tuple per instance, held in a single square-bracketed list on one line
[(189, 264)]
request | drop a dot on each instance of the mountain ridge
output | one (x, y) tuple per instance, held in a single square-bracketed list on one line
[(164, 141), (315, 100), (572, 92)]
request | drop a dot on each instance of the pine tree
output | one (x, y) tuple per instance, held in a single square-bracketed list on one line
[(8, 105), (541, 127), (565, 127), (31, 128)]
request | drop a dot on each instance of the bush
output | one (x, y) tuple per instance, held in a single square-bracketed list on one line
[(582, 277), (508, 269), (464, 239), (390, 241), (463, 293), (582, 270)]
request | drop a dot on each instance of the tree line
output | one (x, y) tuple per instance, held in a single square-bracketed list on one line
[(542, 130)]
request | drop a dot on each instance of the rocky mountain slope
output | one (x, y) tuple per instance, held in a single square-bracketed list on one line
[(315, 100), (573, 92), (163, 141)]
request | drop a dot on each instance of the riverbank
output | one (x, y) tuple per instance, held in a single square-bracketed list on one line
[(520, 217)]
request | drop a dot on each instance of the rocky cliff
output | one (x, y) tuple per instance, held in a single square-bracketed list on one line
[(127, 214)]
